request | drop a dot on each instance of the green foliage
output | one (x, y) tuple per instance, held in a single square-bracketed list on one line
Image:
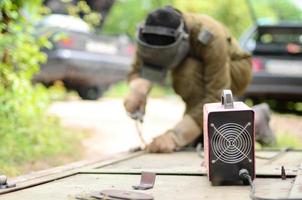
[(125, 15), (120, 19), (82, 8), (26, 132), (281, 10), (225, 11)]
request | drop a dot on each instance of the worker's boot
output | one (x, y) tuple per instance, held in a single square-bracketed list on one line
[(264, 134)]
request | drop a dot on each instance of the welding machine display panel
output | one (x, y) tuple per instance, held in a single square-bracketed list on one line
[(231, 144)]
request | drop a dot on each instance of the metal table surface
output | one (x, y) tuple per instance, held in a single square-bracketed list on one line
[(180, 175)]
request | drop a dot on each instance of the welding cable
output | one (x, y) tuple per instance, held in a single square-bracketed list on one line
[(138, 117), (199, 150), (138, 125), (143, 143), (277, 155), (246, 177)]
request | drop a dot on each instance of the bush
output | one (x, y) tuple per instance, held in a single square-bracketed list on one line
[(26, 132)]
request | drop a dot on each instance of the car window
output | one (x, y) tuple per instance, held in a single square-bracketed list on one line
[(65, 22), (280, 38), (276, 39)]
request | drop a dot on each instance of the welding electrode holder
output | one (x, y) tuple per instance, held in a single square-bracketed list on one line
[(137, 115)]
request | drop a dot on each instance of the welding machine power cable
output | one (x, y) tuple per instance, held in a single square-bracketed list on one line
[(245, 176)]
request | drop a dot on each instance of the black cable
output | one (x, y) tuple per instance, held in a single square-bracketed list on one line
[(245, 176)]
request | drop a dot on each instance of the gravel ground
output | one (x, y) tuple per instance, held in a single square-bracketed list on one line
[(113, 131), (287, 124)]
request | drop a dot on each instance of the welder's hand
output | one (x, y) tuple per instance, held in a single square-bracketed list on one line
[(136, 99), (135, 102), (164, 143)]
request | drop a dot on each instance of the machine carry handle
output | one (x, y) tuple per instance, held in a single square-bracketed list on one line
[(227, 99)]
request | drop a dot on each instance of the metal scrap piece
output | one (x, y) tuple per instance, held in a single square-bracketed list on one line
[(98, 195), (4, 184), (283, 174), (147, 181), (113, 194)]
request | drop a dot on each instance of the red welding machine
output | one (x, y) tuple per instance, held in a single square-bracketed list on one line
[(229, 140)]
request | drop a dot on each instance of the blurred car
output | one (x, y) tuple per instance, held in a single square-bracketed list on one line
[(277, 61), (84, 61)]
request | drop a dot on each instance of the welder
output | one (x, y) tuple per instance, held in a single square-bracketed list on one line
[(203, 58)]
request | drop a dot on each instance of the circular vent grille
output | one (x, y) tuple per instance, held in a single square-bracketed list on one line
[(231, 143)]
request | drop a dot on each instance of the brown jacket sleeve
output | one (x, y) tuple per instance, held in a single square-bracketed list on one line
[(135, 68)]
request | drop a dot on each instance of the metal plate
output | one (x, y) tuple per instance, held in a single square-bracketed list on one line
[(180, 180), (147, 181), (122, 194)]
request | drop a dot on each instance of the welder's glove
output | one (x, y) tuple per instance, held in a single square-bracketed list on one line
[(185, 132), (164, 143), (136, 99), (264, 134)]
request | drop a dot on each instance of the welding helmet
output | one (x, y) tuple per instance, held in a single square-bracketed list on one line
[(162, 43)]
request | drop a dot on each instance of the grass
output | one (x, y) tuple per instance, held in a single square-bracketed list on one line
[(121, 89), (284, 140), (117, 90), (287, 140), (44, 140)]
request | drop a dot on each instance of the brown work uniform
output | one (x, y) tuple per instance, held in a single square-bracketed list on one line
[(209, 67)]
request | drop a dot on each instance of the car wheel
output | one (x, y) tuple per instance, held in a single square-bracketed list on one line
[(90, 93)]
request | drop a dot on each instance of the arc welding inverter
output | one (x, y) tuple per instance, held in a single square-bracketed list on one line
[(228, 140)]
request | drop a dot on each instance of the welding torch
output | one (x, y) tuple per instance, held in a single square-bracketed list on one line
[(138, 116)]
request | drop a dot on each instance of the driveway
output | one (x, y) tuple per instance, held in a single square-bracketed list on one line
[(113, 131)]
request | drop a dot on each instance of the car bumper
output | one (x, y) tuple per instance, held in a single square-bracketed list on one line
[(81, 67), (265, 85)]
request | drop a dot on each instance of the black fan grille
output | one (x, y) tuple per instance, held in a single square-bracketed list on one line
[(231, 143)]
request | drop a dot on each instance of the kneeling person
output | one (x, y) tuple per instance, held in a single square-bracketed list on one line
[(203, 59)]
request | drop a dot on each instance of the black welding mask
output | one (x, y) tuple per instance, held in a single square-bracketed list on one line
[(159, 58)]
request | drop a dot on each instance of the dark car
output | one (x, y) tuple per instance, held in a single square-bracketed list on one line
[(84, 61), (277, 61)]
